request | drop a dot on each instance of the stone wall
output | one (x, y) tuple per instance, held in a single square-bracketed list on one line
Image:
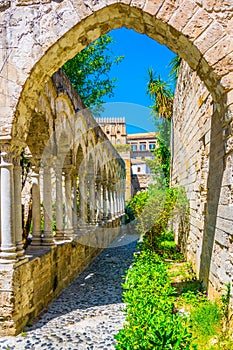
[(28, 289), (202, 165)]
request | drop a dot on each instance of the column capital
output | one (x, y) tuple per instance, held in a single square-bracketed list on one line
[(6, 154)]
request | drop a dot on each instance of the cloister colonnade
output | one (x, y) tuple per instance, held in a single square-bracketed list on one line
[(76, 179), (66, 149)]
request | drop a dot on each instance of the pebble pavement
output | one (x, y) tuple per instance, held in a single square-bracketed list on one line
[(88, 313)]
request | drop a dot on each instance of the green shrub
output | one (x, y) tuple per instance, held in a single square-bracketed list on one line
[(136, 205), (151, 322), (155, 217)]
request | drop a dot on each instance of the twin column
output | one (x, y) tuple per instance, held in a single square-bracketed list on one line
[(98, 200), (11, 212)]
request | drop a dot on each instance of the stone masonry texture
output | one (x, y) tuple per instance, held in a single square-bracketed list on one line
[(203, 165)]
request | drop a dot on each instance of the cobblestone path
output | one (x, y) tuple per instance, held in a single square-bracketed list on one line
[(87, 314)]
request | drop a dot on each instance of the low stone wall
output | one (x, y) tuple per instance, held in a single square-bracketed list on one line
[(28, 288)]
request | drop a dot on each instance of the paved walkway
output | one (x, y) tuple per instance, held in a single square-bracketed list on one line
[(88, 313)]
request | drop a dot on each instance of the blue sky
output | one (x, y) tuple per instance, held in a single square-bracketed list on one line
[(130, 99)]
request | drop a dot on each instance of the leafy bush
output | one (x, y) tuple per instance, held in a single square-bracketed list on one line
[(136, 205), (156, 215), (151, 322)]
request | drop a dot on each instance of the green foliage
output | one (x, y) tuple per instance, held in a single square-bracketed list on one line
[(162, 110), (160, 92), (205, 318), (192, 297), (23, 334), (160, 165), (175, 67), (151, 322), (153, 209), (166, 307), (135, 206), (89, 71), (165, 244), (226, 300), (156, 214), (25, 166)]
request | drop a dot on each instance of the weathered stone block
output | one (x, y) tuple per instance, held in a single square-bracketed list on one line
[(4, 4)]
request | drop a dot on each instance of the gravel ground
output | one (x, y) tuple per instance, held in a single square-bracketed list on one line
[(88, 313)]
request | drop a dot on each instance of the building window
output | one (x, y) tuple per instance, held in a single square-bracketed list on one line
[(139, 169), (152, 146), (134, 148), (142, 146)]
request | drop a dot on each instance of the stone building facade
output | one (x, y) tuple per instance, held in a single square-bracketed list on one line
[(141, 146), (114, 128)]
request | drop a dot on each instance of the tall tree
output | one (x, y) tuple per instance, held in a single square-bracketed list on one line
[(89, 71), (160, 92), (162, 109)]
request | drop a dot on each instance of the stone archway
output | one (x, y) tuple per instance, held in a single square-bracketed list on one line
[(37, 38)]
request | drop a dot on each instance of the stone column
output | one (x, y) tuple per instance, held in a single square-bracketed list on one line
[(122, 197), (113, 214), (59, 205), (98, 201), (68, 203), (36, 213), (8, 246), (105, 213), (92, 199), (82, 199), (117, 202), (123, 203), (47, 200), (118, 199), (109, 197), (18, 209), (74, 202)]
